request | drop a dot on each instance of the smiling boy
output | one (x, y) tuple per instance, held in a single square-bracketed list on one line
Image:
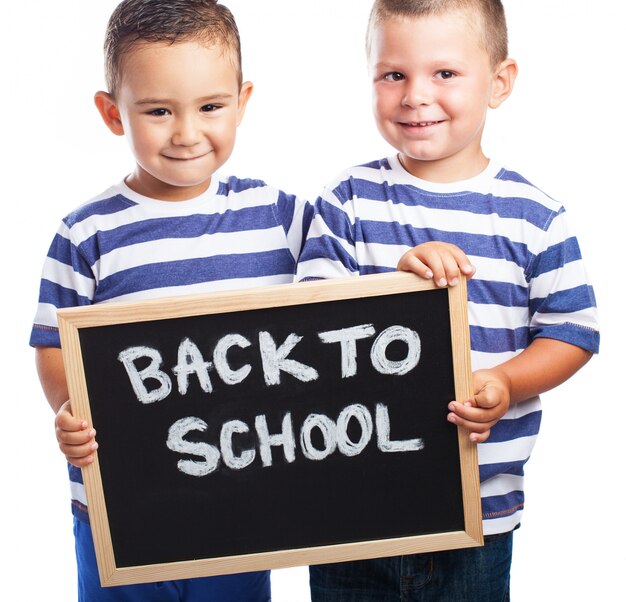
[(179, 106), (173, 226), (431, 104), (437, 67)]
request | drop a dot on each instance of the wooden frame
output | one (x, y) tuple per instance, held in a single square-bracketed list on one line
[(71, 321)]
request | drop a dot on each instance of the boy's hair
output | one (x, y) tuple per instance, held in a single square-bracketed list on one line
[(494, 29), (170, 21)]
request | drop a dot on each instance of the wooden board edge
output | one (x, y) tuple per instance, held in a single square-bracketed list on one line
[(280, 295), (470, 478), (94, 490), (290, 558)]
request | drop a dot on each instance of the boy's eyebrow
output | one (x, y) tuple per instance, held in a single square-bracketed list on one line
[(204, 99), (389, 64)]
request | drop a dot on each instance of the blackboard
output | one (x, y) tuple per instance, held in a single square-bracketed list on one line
[(288, 425)]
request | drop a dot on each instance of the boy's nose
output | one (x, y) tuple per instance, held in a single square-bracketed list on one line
[(186, 132), (417, 93)]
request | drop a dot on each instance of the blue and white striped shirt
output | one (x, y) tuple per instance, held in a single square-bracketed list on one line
[(530, 280), (123, 246)]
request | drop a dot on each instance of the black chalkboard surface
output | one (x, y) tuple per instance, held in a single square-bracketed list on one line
[(289, 425)]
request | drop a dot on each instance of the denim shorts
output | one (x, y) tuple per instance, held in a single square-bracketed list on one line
[(246, 587), (469, 575)]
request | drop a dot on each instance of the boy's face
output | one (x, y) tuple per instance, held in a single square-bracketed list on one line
[(179, 105), (433, 82)]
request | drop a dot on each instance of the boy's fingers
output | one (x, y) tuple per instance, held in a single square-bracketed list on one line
[(451, 270), (65, 422), (456, 263), (473, 427), (75, 437), (79, 453), (431, 258), (442, 262), (64, 419), (66, 408), (463, 262), (80, 462), (472, 414), (491, 397), (410, 263), (479, 437)]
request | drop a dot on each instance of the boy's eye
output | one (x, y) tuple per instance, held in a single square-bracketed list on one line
[(209, 108), (158, 112), (444, 74), (394, 76)]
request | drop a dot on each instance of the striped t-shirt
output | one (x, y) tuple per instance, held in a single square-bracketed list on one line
[(530, 280), (123, 246)]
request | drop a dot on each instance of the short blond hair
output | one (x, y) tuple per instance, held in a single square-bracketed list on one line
[(494, 30)]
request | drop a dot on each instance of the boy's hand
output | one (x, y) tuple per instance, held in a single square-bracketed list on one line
[(492, 396), (441, 261), (76, 439)]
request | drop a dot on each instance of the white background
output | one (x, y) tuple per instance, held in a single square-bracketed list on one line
[(309, 117)]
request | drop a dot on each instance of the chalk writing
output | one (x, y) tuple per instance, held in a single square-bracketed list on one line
[(275, 360)]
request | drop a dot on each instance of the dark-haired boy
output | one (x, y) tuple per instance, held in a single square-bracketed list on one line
[(173, 226)]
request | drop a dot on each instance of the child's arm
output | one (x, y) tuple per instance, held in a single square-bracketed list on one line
[(543, 365), (443, 262), (75, 438)]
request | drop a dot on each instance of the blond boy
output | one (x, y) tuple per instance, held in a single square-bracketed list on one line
[(440, 206)]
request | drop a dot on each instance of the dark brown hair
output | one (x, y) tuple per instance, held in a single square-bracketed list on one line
[(170, 21)]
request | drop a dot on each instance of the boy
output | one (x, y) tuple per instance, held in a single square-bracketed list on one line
[(436, 67), (173, 226)]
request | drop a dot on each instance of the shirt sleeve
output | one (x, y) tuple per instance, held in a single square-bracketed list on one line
[(67, 281), (295, 214), (561, 299), (329, 250)]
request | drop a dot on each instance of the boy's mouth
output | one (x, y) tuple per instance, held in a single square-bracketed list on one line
[(419, 124), (183, 159)]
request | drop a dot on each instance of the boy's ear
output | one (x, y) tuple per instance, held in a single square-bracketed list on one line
[(504, 79), (244, 96), (108, 111)]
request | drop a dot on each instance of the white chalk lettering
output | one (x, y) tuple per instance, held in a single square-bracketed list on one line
[(227, 374), (378, 353), (190, 361), (328, 430), (266, 441), (226, 445), (383, 430), (128, 357), (275, 360), (362, 415), (330, 436), (176, 442), (347, 337)]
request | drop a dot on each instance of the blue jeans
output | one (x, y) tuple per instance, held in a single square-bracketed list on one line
[(467, 575), (246, 587)]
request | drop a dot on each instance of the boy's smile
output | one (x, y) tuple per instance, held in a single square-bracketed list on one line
[(419, 129), (420, 124), (433, 83), (179, 106)]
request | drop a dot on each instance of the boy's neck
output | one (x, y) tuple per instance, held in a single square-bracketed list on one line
[(445, 171), (146, 185)]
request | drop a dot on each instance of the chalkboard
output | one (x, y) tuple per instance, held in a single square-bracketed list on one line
[(288, 425)]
